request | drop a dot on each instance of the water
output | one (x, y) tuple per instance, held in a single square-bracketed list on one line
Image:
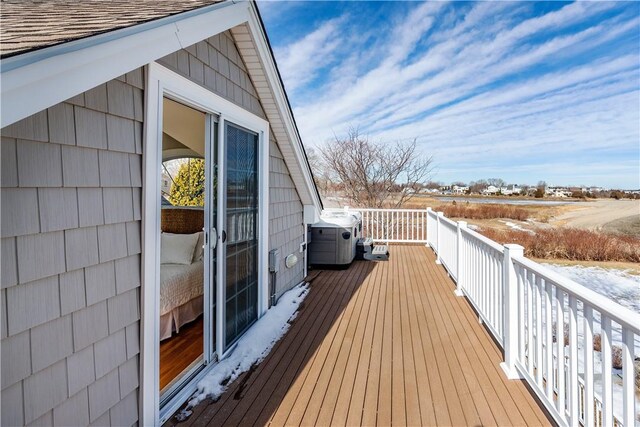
[(506, 201)]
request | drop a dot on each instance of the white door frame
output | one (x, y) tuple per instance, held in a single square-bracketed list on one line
[(161, 82)]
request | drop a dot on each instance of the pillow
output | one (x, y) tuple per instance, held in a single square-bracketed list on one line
[(198, 253), (177, 248)]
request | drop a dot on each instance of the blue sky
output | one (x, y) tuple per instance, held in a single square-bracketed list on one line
[(516, 90)]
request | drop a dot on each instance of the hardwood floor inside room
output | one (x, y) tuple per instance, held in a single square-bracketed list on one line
[(179, 351)]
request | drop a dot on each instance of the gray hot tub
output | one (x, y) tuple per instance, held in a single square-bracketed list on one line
[(334, 238)]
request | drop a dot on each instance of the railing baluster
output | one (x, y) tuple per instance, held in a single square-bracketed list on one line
[(482, 287), (573, 360), (521, 313), (485, 282), (497, 302), (588, 365), (500, 294), (628, 374), (560, 351), (476, 272), (403, 219), (529, 306), (538, 299), (607, 381), (549, 339)]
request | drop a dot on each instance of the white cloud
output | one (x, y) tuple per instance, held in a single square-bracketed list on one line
[(308, 57), (478, 82)]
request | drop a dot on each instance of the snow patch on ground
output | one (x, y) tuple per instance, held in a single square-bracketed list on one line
[(473, 227), (514, 226), (617, 285), (252, 348)]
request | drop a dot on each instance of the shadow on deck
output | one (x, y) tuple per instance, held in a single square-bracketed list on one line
[(383, 343)]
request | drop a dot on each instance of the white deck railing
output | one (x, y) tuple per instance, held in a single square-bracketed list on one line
[(526, 306), (394, 225)]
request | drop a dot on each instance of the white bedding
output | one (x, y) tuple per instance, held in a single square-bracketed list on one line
[(179, 284)]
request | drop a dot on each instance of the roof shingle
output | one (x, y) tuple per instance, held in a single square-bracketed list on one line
[(30, 24)]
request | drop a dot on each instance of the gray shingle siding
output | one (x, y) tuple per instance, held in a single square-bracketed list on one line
[(74, 411), (9, 172), (216, 64), (71, 258), (9, 265), (51, 342), (286, 227)]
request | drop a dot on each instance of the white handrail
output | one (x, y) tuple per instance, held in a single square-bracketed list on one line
[(497, 246)]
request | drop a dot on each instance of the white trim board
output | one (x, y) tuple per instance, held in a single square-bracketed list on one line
[(164, 82), (30, 86)]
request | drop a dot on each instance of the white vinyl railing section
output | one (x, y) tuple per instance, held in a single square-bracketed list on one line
[(557, 335), (394, 225)]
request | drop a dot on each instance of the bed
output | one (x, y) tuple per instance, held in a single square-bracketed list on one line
[(181, 269), (181, 296)]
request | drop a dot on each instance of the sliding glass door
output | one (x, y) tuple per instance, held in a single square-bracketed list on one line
[(239, 235), (204, 264)]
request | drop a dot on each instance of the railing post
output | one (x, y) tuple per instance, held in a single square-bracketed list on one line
[(429, 238), (510, 292), (438, 259), (460, 274)]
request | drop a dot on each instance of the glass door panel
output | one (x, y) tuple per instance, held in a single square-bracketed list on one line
[(240, 222), (187, 259), (213, 234)]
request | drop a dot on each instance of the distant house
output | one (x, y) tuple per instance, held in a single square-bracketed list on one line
[(491, 190), (458, 189), (510, 190), (95, 95), (558, 192), (429, 191), (594, 189)]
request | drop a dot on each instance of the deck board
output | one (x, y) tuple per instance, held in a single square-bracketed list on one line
[(382, 343)]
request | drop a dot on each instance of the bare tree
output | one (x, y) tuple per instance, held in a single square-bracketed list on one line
[(478, 186), (541, 189), (497, 182), (315, 162), (371, 173)]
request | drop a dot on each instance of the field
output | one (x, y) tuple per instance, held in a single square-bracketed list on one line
[(571, 244), (599, 233)]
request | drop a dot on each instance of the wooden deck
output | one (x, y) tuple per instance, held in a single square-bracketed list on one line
[(385, 344)]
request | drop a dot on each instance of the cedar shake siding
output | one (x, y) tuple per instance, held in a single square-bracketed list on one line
[(70, 225), (286, 228)]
